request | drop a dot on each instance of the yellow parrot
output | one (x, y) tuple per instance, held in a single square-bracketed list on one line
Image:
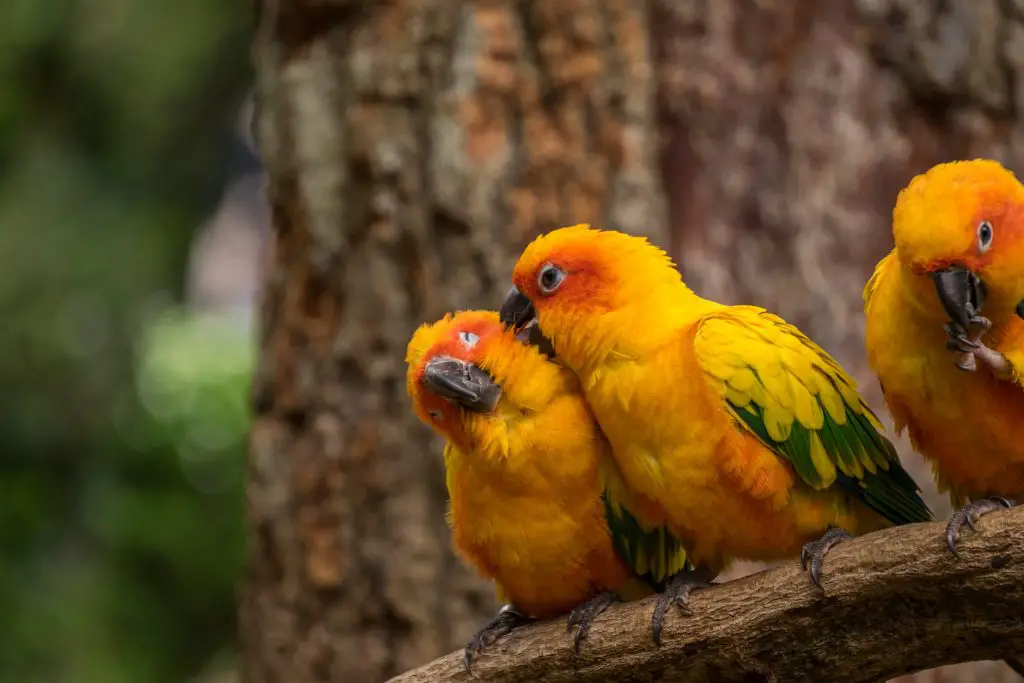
[(748, 438), (526, 469), (959, 249)]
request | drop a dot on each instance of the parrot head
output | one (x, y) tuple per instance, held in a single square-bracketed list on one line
[(589, 290), (959, 231), (467, 373)]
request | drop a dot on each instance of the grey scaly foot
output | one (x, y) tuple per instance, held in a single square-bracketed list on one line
[(509, 617), (813, 553), (969, 514), (972, 350), (677, 593), (585, 614), (995, 361)]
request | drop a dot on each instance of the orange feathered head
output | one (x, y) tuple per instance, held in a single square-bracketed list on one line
[(960, 226), (591, 290), (468, 371)]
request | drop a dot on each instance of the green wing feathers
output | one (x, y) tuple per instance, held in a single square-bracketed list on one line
[(651, 551), (799, 402)]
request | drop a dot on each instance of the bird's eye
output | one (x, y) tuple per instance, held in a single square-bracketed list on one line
[(985, 235), (435, 415), (468, 339), (549, 278)]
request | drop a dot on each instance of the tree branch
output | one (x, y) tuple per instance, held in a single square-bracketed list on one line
[(895, 601)]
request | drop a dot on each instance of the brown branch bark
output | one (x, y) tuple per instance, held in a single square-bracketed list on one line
[(412, 147), (894, 602)]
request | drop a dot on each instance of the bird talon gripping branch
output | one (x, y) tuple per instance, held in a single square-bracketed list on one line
[(508, 618), (732, 427), (677, 593), (813, 553), (535, 499), (583, 616), (969, 514), (958, 233)]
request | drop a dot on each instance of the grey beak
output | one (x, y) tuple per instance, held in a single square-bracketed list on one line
[(961, 293), (516, 310), (461, 382)]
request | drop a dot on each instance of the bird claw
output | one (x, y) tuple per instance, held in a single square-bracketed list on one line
[(969, 514), (583, 615), (957, 340), (507, 619), (677, 593), (813, 554), (972, 350), (996, 362), (981, 321)]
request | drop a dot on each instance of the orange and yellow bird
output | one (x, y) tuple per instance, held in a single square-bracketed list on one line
[(746, 438), (526, 469), (959, 250)]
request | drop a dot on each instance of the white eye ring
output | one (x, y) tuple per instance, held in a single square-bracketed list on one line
[(985, 235), (468, 339), (550, 278), (435, 414)]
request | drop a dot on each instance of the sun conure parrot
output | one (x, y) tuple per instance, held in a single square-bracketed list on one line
[(526, 469), (959, 235), (748, 438)]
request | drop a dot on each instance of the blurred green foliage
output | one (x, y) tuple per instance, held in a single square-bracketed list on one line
[(122, 421)]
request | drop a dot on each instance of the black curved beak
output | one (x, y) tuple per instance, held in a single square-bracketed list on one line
[(961, 293), (516, 310), (531, 334), (461, 382)]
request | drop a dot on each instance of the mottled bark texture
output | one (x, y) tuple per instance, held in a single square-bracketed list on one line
[(412, 148), (789, 127), (895, 601)]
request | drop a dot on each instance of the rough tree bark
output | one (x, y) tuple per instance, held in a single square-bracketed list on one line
[(789, 127), (412, 147), (894, 601)]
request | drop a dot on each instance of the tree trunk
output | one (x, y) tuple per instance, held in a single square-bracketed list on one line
[(789, 129), (412, 148)]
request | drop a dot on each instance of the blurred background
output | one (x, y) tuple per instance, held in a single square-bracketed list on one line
[(131, 228), (134, 237)]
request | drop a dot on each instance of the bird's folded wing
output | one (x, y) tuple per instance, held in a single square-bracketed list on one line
[(796, 399)]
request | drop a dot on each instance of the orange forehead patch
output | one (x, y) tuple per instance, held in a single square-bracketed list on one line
[(937, 215), (446, 336), (449, 336)]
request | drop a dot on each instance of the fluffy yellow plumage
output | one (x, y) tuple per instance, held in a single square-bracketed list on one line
[(959, 253), (526, 467), (748, 439)]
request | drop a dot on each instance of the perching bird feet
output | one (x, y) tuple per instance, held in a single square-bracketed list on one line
[(969, 514), (972, 350), (677, 593), (813, 553), (509, 617), (584, 615)]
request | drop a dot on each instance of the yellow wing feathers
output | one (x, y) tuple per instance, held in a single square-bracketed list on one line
[(755, 357), (798, 401)]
